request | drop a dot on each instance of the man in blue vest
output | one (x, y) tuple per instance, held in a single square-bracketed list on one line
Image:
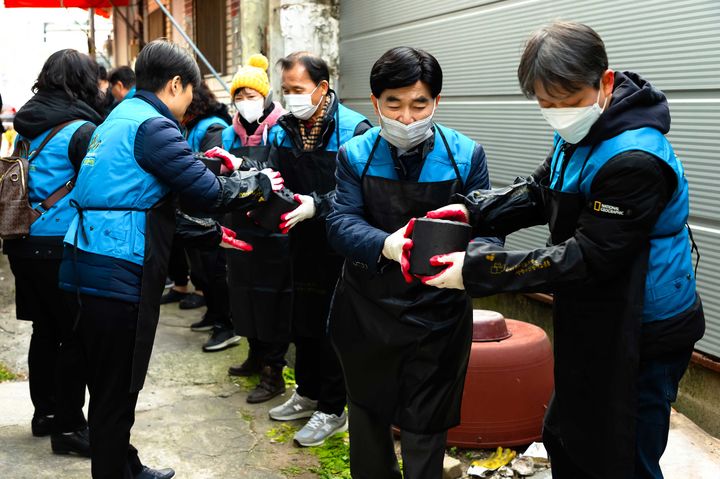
[(119, 242), (403, 346), (122, 83), (304, 148), (615, 197)]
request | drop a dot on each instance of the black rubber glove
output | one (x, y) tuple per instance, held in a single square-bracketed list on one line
[(501, 211), (488, 269), (202, 233), (242, 190)]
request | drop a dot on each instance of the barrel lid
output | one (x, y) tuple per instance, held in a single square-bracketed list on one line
[(489, 326)]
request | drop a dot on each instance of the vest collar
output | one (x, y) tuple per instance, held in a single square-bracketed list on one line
[(153, 100)]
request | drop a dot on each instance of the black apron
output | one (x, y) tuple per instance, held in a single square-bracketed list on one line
[(597, 329), (260, 281), (404, 347), (159, 232), (315, 266)]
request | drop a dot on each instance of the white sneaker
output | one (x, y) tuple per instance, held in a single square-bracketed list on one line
[(296, 407), (320, 427)]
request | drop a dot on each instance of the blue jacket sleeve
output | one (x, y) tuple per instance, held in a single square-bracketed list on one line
[(478, 179), (161, 150), (349, 233)]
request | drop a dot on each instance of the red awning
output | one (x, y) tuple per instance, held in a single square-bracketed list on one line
[(65, 3), (102, 7)]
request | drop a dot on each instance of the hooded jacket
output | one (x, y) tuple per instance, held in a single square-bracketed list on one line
[(56, 164), (630, 198)]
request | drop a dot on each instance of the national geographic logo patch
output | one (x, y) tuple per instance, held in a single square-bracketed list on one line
[(608, 210)]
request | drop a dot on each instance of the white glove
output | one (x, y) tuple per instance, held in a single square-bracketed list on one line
[(278, 183), (396, 243), (230, 162), (305, 211), (454, 212), (451, 277)]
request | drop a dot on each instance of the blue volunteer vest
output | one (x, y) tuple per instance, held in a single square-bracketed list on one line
[(670, 281), (48, 173), (197, 134), (117, 189), (346, 121), (230, 141), (437, 166)]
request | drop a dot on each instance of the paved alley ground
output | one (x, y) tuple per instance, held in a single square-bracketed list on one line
[(193, 417)]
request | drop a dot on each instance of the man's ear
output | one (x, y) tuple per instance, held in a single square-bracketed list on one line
[(608, 82), (176, 86), (327, 87), (375, 104)]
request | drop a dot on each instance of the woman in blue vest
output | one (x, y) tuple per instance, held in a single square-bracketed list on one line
[(615, 197), (260, 283), (305, 144), (118, 243), (205, 120), (64, 110), (403, 346)]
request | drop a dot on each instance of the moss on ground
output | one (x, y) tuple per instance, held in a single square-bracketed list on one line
[(6, 374)]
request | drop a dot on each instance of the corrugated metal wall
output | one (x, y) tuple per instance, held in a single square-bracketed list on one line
[(673, 43)]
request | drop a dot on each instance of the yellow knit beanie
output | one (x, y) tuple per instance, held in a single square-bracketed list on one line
[(253, 75)]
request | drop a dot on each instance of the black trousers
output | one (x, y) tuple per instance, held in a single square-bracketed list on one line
[(178, 267), (210, 266), (658, 382), (319, 375), (107, 333), (55, 362), (372, 451), (267, 353)]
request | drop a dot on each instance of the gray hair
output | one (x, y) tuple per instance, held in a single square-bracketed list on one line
[(564, 57)]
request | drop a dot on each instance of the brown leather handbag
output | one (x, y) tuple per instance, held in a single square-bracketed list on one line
[(16, 213)]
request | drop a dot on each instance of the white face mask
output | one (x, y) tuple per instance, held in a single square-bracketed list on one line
[(573, 124), (251, 110), (301, 106), (404, 136)]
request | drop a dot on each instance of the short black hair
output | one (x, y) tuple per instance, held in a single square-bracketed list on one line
[(161, 61), (563, 57), (102, 73), (72, 72), (123, 74), (404, 66), (316, 67)]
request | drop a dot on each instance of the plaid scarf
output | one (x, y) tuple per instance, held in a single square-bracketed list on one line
[(311, 132)]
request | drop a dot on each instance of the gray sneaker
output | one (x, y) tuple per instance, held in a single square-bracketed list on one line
[(296, 407), (320, 427)]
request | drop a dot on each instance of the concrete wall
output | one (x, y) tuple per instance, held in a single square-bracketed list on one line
[(303, 25), (699, 388)]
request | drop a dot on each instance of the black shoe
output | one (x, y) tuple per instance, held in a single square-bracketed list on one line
[(77, 442), (271, 384), (222, 338), (192, 301), (250, 367), (42, 425), (173, 296), (204, 324), (169, 283), (148, 473)]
